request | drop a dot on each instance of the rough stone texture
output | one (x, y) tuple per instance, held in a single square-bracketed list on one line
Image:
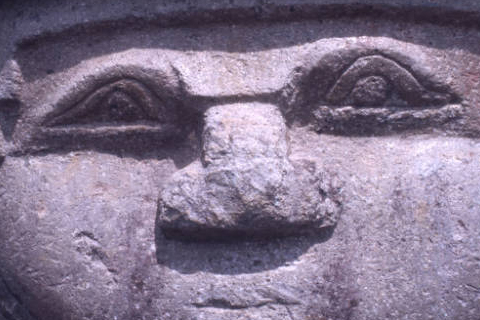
[(246, 186), (112, 114)]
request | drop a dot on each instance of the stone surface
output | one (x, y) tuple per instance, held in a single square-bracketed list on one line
[(212, 160), (245, 185)]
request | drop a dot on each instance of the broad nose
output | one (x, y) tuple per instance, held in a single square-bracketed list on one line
[(244, 184)]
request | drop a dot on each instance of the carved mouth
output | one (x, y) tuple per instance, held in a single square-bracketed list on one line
[(250, 299)]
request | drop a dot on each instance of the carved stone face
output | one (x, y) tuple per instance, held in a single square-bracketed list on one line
[(272, 167)]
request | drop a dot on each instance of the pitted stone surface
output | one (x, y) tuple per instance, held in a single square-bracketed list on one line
[(245, 185), (239, 160)]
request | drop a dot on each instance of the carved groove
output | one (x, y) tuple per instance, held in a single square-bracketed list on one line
[(125, 101), (256, 299), (401, 79), (367, 121), (222, 303), (9, 115)]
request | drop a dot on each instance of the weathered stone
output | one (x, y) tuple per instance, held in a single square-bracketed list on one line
[(214, 160), (10, 81), (245, 185)]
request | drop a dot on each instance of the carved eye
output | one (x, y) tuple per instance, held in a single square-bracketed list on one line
[(376, 95), (121, 116), (375, 81), (123, 102)]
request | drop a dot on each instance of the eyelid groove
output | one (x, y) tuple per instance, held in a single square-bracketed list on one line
[(145, 100), (404, 82)]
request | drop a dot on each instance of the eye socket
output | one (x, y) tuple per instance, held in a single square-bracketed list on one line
[(376, 95), (123, 102), (123, 116), (376, 81)]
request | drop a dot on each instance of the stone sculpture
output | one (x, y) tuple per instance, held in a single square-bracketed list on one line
[(296, 159)]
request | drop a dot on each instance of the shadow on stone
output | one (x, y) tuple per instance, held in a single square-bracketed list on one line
[(234, 255), (9, 114)]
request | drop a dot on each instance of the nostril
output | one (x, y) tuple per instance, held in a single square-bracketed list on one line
[(246, 185)]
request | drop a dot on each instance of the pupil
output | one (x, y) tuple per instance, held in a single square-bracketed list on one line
[(371, 91), (122, 108)]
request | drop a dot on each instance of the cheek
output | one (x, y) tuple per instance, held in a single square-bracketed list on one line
[(77, 225), (410, 216), (81, 191)]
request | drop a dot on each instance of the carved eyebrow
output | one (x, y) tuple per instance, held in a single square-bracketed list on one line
[(405, 82)]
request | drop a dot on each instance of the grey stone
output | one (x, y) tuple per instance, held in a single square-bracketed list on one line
[(245, 185), (11, 81), (290, 159)]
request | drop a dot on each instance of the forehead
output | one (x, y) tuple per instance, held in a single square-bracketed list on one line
[(244, 58)]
